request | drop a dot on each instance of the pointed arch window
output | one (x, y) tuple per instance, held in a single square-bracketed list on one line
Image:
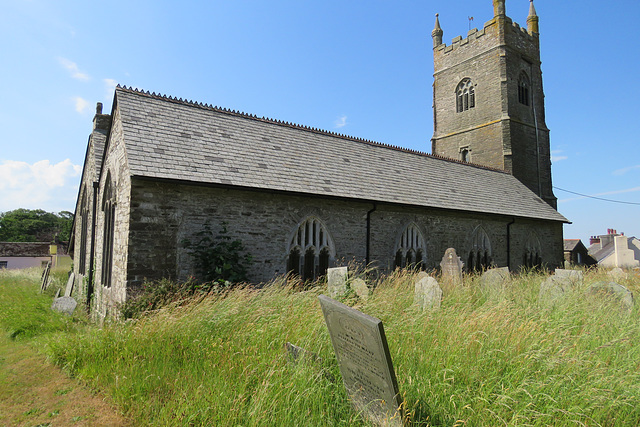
[(479, 258), (532, 258), (311, 250), (411, 250), (523, 89), (465, 96), (109, 213), (84, 231)]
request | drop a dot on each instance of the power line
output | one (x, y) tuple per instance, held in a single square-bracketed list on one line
[(597, 198)]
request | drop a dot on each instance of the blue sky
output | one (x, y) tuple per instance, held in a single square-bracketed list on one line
[(354, 67)]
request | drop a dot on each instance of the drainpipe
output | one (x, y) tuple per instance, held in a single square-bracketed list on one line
[(93, 245), (368, 255), (513, 220)]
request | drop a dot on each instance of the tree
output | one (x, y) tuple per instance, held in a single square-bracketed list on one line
[(25, 225)]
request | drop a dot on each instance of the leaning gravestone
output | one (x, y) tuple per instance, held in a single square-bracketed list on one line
[(614, 292), (365, 363), (451, 266), (617, 274), (65, 305), (337, 281), (69, 288), (360, 287), (559, 284), (428, 294), (573, 277)]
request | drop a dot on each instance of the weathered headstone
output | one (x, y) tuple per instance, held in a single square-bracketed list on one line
[(365, 362), (360, 287), (495, 279), (617, 274), (337, 281), (428, 294), (69, 288), (613, 291), (573, 277), (297, 353), (65, 305), (451, 266)]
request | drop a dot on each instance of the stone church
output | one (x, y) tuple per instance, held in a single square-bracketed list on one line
[(300, 199)]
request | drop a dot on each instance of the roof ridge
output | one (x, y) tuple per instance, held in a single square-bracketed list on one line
[(242, 114)]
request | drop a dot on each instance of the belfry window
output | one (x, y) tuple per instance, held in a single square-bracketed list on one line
[(109, 212), (465, 154), (479, 258), (310, 250), (410, 252), (465, 96), (523, 89)]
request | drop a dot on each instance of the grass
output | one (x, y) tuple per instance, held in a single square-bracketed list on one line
[(478, 360)]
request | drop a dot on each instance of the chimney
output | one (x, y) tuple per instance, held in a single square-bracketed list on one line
[(101, 121), (593, 240)]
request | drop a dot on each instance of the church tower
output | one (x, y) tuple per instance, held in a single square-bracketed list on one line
[(488, 101)]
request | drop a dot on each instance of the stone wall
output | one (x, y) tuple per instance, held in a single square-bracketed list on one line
[(164, 214)]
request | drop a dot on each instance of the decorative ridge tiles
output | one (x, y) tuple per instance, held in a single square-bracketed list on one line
[(210, 107)]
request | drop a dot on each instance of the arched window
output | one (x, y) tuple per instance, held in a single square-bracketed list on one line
[(532, 257), (479, 258), (109, 212), (310, 250), (465, 96), (523, 89), (410, 250), (84, 228)]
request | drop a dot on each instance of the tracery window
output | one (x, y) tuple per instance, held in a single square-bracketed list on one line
[(532, 253), (523, 89), (84, 217), (109, 211), (465, 96), (311, 250), (479, 258), (411, 251)]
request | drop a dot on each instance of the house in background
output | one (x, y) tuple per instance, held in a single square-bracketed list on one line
[(576, 253), (18, 255), (615, 250)]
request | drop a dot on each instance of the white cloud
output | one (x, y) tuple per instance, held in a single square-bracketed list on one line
[(625, 170), (81, 104), (42, 185), (556, 157), (72, 67), (341, 122)]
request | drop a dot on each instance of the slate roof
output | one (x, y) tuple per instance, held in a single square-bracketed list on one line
[(99, 138), (570, 244), (173, 139)]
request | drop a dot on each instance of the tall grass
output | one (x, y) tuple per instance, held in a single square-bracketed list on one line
[(481, 359)]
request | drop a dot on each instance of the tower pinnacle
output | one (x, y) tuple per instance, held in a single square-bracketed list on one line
[(532, 19), (499, 8), (437, 33)]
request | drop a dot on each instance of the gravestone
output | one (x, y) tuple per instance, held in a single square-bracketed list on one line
[(617, 274), (613, 291), (337, 281), (365, 362), (297, 353), (495, 279), (65, 305), (572, 277), (428, 294), (451, 266), (360, 287), (69, 288)]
